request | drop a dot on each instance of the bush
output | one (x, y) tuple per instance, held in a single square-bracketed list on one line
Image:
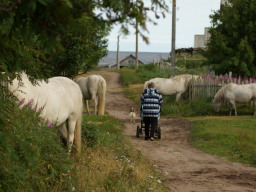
[(90, 132), (32, 155)]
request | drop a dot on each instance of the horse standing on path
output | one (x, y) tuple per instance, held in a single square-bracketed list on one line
[(59, 101), (93, 88), (173, 86), (235, 93)]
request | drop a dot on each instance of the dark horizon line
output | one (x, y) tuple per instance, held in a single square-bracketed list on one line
[(141, 51)]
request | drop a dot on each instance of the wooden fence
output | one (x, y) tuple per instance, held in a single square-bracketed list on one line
[(207, 86)]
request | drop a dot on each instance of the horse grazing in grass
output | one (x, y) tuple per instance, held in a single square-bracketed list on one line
[(235, 93), (59, 101), (173, 86), (93, 88)]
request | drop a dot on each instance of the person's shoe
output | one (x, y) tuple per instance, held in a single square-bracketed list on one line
[(152, 139), (146, 138)]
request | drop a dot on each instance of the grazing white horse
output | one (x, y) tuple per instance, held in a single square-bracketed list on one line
[(93, 88), (235, 93), (173, 86), (59, 101)]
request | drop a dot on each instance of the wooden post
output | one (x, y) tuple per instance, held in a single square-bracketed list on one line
[(137, 45), (117, 54), (173, 36)]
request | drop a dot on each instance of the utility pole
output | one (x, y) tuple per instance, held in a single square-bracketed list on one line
[(137, 45), (173, 36), (117, 54)]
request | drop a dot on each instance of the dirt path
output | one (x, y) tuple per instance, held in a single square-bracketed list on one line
[(184, 167)]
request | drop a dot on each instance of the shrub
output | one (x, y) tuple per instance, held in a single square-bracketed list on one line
[(32, 155)]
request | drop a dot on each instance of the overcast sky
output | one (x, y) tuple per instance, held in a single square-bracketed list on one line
[(192, 17)]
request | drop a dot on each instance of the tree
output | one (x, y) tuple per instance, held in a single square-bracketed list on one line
[(35, 34), (232, 45)]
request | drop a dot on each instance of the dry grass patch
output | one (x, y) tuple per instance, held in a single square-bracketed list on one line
[(112, 163)]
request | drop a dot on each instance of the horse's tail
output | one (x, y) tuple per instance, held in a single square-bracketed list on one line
[(77, 135), (101, 96), (145, 85)]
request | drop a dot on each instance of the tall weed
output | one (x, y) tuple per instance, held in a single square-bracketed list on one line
[(32, 157)]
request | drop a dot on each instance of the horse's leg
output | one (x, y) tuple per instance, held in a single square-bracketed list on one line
[(94, 99), (87, 107), (232, 107), (62, 129), (235, 108), (254, 103), (178, 96), (71, 131)]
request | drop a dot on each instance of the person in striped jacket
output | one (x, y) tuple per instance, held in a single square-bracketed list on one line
[(151, 101)]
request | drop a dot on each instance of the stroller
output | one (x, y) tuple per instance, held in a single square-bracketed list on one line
[(142, 126)]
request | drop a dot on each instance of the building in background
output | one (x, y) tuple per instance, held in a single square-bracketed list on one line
[(144, 57), (127, 61), (200, 41)]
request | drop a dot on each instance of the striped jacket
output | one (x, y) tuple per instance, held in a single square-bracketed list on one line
[(151, 101)]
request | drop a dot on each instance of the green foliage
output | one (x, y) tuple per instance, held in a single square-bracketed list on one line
[(32, 157), (231, 137), (51, 38), (142, 74), (185, 108), (90, 131), (46, 38), (232, 44), (94, 135), (84, 46)]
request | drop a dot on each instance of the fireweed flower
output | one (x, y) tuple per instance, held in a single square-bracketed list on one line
[(40, 109), (50, 125), (30, 103), (21, 102)]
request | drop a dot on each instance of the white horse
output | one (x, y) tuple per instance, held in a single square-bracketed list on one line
[(173, 86), (93, 88), (235, 93), (59, 101)]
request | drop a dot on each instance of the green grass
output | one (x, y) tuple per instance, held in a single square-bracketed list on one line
[(110, 163), (231, 137), (142, 74), (134, 81), (32, 157)]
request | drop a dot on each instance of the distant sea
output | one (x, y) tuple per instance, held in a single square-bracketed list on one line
[(145, 57)]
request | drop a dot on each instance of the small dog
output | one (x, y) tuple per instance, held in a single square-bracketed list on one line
[(132, 115)]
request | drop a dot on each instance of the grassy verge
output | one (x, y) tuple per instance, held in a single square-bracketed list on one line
[(110, 163), (230, 137), (134, 81)]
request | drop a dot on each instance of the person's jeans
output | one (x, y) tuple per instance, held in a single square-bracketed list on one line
[(150, 124)]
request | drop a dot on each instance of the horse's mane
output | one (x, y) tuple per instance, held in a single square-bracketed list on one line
[(187, 78)]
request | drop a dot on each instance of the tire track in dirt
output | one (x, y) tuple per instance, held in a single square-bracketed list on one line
[(184, 167)]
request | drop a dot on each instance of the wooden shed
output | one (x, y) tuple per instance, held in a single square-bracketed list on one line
[(127, 61)]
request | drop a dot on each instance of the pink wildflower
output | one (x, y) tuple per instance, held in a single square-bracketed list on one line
[(21, 102), (50, 125)]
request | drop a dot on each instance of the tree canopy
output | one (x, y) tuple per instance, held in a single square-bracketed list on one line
[(232, 45), (62, 37)]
